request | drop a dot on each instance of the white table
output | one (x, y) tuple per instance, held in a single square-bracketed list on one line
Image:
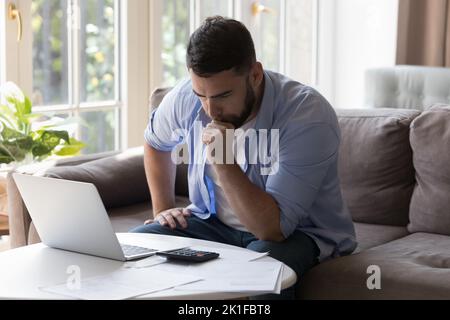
[(24, 270)]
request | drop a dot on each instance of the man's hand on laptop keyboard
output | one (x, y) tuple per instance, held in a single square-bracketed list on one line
[(171, 217)]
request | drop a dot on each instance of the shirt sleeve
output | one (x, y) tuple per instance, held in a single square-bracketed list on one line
[(305, 157), (164, 131)]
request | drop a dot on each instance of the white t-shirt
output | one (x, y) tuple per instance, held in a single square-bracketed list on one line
[(223, 209)]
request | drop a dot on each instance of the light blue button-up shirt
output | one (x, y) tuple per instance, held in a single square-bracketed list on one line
[(305, 181)]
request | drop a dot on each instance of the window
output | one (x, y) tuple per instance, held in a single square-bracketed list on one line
[(75, 66), (68, 62), (176, 17), (284, 33)]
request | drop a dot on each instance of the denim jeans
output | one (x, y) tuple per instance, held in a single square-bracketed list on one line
[(298, 251)]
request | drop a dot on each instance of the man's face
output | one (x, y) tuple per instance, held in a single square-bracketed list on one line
[(225, 96)]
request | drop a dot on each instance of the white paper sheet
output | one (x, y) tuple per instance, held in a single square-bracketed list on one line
[(278, 286), (233, 255), (123, 284), (145, 263), (226, 276)]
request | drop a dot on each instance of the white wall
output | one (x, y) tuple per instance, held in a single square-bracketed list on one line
[(356, 35)]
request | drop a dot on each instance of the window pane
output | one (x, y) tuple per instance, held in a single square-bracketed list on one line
[(97, 51), (99, 130), (214, 7), (50, 58), (175, 36), (299, 40), (267, 35)]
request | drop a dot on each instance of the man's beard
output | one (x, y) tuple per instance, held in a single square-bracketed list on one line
[(250, 100)]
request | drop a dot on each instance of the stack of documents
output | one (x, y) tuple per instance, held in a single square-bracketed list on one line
[(251, 277), (233, 271), (121, 284)]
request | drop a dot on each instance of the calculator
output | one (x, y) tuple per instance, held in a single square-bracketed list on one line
[(187, 254)]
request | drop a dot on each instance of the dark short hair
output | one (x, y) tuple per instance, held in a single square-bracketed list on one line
[(220, 44)]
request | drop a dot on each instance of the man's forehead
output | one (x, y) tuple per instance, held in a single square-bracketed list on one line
[(217, 83)]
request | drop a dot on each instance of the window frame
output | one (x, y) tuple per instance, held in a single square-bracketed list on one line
[(16, 61)]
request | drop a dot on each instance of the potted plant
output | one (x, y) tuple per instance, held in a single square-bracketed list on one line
[(23, 137)]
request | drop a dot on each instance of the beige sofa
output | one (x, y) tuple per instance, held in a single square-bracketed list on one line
[(395, 174)]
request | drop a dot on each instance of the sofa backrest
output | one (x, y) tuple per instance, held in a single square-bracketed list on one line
[(181, 182), (375, 164), (410, 87), (430, 141), (120, 179), (157, 96)]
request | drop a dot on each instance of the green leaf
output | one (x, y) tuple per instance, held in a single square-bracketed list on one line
[(27, 106), (19, 115), (10, 134), (47, 141), (71, 149), (5, 155), (17, 140), (6, 159), (14, 150), (8, 117), (65, 122)]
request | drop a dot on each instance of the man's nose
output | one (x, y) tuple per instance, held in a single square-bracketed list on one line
[(213, 109)]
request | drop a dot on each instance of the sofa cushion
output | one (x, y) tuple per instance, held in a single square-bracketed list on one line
[(120, 179), (372, 235), (413, 267), (430, 141), (375, 164)]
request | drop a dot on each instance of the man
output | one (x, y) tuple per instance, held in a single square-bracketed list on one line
[(288, 203)]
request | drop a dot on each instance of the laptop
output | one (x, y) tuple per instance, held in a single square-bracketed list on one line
[(70, 215)]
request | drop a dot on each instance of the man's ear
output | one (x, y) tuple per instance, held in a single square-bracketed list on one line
[(256, 74)]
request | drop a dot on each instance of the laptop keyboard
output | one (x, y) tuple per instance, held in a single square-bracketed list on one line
[(129, 250)]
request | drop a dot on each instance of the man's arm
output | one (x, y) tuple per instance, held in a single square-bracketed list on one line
[(256, 209), (160, 172), (245, 199)]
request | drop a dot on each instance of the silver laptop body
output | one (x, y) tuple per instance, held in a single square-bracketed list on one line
[(70, 215)]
